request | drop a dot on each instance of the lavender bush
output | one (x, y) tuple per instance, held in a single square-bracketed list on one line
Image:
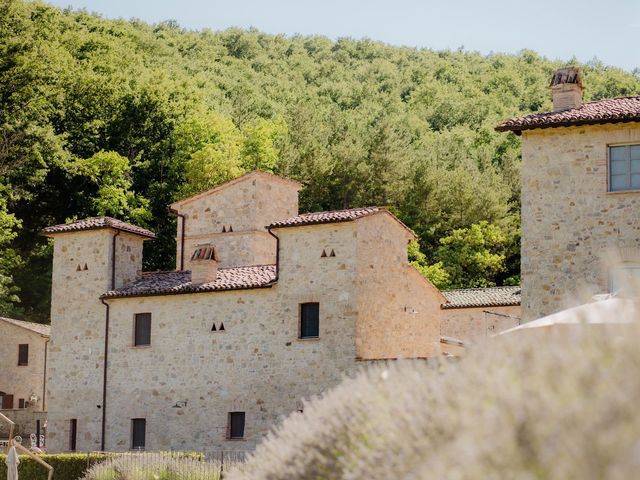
[(554, 405)]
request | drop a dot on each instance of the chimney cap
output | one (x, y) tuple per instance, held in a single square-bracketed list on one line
[(567, 75), (204, 252)]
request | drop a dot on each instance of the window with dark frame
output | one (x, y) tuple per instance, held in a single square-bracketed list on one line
[(73, 434), (138, 433), (142, 335), (624, 168), (236, 425), (21, 403), (23, 355), (309, 320)]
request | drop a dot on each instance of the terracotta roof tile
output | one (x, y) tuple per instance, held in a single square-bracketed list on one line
[(615, 110), (34, 327), (334, 216), (96, 223), (176, 283), (482, 297)]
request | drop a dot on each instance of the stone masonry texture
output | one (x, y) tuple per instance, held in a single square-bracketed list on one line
[(373, 306), (573, 230)]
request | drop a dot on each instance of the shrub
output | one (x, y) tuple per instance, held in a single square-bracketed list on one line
[(546, 405), (66, 466), (154, 466)]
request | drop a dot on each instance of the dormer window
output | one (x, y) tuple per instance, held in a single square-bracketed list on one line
[(624, 168)]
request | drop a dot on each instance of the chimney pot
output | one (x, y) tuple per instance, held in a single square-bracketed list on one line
[(566, 88), (203, 264)]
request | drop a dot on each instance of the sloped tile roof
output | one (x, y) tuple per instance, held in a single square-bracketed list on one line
[(34, 327), (94, 223), (334, 216), (176, 283), (482, 297), (614, 110)]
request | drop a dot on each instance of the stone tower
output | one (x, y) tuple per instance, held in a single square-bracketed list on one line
[(90, 257), (232, 218)]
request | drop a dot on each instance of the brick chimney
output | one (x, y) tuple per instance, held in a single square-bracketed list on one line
[(566, 89), (203, 264)]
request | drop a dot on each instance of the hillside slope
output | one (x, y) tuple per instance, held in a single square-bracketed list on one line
[(122, 117)]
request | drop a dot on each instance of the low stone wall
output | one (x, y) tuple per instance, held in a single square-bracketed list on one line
[(25, 420)]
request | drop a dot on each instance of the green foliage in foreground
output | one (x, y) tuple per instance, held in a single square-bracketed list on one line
[(74, 466), (68, 466), (122, 117), (546, 405), (149, 466)]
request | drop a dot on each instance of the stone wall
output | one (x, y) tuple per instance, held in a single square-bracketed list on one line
[(476, 324), (257, 364), (573, 229), (26, 424), (76, 353), (244, 206), (21, 381), (398, 309)]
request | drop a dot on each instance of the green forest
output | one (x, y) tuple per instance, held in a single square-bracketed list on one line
[(121, 117)]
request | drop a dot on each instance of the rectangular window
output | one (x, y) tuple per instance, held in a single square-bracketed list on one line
[(236, 425), (625, 280), (21, 403), (73, 434), (309, 320), (138, 433), (624, 168), (23, 355), (142, 334)]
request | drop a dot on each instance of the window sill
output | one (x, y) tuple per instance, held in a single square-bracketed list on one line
[(614, 192), (309, 339), (23, 365), (141, 347), (243, 439)]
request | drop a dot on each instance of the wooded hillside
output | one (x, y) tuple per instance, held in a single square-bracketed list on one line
[(119, 118)]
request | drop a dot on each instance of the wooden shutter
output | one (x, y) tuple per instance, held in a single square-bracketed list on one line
[(309, 320), (7, 402), (23, 354), (142, 329), (138, 433)]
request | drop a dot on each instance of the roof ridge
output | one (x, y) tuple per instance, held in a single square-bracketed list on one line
[(481, 288)]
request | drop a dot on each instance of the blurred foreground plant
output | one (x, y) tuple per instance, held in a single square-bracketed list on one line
[(544, 405)]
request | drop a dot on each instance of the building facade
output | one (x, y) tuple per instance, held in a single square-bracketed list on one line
[(473, 315), (253, 320), (23, 360), (580, 198)]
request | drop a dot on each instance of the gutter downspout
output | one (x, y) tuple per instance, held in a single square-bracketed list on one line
[(106, 343), (44, 383), (182, 224), (277, 255)]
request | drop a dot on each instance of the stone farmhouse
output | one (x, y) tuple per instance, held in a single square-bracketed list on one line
[(23, 356), (580, 197), (252, 321)]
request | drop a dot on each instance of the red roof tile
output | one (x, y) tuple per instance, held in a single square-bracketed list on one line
[(334, 216), (96, 223), (615, 110), (176, 283)]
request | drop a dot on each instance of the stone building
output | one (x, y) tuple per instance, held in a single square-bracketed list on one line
[(23, 360), (253, 320), (472, 315), (580, 197)]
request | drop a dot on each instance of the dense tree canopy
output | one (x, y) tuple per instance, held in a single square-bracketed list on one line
[(122, 117)]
